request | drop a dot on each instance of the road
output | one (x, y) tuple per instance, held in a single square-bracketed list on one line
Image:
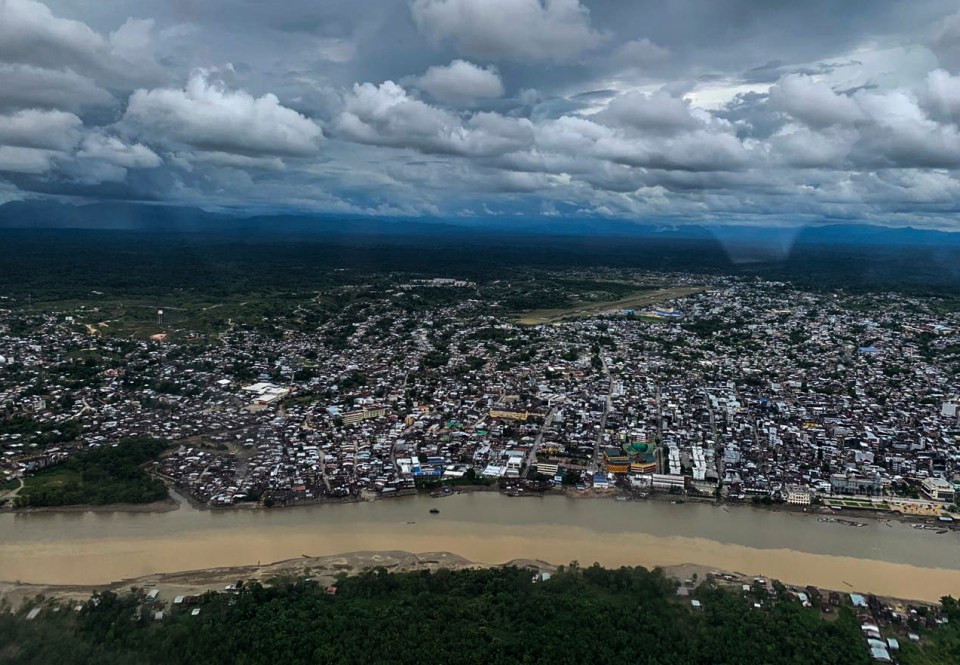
[(607, 405), (718, 460), (532, 455), (659, 453), (222, 336), (86, 407), (9, 494), (323, 473)]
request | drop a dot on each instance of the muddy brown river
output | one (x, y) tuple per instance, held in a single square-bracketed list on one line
[(888, 558)]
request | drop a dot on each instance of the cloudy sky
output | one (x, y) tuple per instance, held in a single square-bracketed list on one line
[(721, 111)]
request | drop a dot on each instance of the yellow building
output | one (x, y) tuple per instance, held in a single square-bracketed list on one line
[(618, 463), (509, 415), (365, 414)]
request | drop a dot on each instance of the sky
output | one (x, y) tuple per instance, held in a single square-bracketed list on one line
[(715, 111)]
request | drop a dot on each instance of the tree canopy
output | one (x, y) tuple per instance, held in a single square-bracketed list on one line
[(505, 615)]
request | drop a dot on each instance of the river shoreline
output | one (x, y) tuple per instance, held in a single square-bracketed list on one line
[(165, 506), (326, 569), (176, 500)]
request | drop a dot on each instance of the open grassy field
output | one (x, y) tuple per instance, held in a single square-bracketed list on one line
[(184, 315), (852, 503), (635, 300), (49, 479)]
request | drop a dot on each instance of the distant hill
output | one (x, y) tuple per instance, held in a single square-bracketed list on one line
[(50, 245), (38, 214)]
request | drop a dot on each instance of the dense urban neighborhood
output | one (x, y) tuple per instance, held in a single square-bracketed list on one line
[(731, 389)]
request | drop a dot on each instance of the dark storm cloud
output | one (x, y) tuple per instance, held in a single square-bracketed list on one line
[(691, 110)]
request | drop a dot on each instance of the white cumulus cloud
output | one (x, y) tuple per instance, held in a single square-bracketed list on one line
[(110, 149), (208, 116), (33, 128), (32, 161), (814, 103), (461, 82), (386, 115)]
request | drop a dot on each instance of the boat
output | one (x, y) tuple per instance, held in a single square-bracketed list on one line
[(434, 511), (678, 501)]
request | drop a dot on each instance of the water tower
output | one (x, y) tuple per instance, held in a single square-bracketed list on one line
[(159, 317)]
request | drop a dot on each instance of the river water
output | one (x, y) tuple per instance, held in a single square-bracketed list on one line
[(92, 548)]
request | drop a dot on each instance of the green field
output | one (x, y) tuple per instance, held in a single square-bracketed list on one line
[(53, 477), (137, 318), (636, 300), (851, 503)]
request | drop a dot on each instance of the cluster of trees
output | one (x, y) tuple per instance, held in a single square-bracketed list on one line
[(629, 615), (42, 434), (98, 477)]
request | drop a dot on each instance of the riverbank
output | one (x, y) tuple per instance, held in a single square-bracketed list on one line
[(176, 499), (164, 506), (323, 569), (326, 570), (844, 514)]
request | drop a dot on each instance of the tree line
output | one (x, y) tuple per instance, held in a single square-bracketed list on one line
[(504, 615)]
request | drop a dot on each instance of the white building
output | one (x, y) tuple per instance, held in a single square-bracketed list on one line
[(938, 489), (663, 481), (798, 496)]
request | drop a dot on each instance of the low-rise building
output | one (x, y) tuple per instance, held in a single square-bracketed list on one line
[(938, 489)]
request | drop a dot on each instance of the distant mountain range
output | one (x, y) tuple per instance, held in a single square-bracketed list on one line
[(165, 218)]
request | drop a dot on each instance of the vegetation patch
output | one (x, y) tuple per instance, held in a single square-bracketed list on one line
[(506, 615), (635, 300), (98, 477)]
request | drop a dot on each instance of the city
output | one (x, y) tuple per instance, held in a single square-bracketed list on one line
[(479, 331), (744, 390)]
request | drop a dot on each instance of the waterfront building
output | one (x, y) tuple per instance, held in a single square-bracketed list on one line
[(938, 489), (798, 496)]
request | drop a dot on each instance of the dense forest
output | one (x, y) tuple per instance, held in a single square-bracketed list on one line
[(60, 264), (503, 615), (112, 474)]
